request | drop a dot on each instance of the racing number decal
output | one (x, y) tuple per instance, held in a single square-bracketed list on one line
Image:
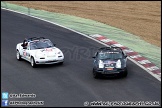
[(24, 53)]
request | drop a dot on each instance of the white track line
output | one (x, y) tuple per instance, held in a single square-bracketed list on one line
[(156, 76)]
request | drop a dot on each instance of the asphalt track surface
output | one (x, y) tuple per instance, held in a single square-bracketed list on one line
[(72, 83)]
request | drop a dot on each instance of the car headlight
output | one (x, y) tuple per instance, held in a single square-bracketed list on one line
[(59, 53), (118, 64), (101, 64)]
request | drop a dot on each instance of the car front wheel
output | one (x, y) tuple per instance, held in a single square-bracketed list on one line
[(33, 62), (95, 74), (125, 73), (61, 63), (18, 55)]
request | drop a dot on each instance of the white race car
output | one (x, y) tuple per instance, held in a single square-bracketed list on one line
[(38, 50)]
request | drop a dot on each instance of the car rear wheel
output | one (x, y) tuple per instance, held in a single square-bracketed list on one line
[(33, 62), (18, 55)]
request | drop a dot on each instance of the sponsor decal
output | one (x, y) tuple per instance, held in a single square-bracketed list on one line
[(109, 62), (48, 49), (109, 68), (24, 53)]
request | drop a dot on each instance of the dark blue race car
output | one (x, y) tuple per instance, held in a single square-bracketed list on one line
[(110, 61)]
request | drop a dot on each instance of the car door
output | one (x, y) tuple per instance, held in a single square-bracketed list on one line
[(21, 49), (27, 52), (24, 52)]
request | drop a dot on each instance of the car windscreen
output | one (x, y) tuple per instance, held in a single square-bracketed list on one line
[(41, 44), (110, 55)]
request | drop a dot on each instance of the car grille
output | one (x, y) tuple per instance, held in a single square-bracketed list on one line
[(51, 61)]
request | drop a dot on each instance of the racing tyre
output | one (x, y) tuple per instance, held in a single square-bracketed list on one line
[(18, 56), (125, 73), (61, 63), (95, 74), (33, 62)]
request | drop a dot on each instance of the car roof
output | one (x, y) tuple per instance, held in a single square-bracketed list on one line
[(110, 49)]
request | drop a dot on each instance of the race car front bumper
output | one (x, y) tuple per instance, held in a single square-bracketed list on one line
[(110, 72), (51, 60)]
